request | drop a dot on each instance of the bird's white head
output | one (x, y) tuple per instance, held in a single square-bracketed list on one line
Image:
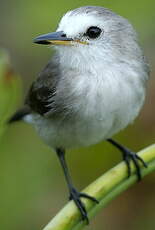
[(93, 26), (89, 35), (89, 25)]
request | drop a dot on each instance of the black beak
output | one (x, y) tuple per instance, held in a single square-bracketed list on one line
[(57, 38)]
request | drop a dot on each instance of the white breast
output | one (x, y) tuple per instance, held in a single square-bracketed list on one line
[(100, 105)]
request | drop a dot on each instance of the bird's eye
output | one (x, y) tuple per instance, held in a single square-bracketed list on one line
[(93, 32)]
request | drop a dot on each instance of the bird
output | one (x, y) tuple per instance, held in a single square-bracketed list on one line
[(93, 87)]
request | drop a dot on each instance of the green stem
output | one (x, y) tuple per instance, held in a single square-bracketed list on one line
[(105, 189)]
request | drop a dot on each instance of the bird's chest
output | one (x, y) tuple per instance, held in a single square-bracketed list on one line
[(95, 109), (95, 97), (104, 104)]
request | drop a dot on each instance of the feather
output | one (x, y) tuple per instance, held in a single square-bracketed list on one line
[(19, 115)]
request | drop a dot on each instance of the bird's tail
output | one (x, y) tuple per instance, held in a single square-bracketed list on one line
[(19, 115)]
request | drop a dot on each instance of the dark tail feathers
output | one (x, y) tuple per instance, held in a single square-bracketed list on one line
[(19, 115)]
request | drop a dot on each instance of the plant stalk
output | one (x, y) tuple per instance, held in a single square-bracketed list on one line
[(104, 189)]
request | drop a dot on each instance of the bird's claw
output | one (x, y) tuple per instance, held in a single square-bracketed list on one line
[(131, 156), (75, 196)]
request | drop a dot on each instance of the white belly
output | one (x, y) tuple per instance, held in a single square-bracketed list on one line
[(99, 116)]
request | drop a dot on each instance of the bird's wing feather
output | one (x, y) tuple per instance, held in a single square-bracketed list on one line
[(40, 97), (19, 115)]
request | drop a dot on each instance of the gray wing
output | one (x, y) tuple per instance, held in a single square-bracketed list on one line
[(41, 95)]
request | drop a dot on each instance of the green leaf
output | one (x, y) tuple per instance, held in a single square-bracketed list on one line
[(10, 89)]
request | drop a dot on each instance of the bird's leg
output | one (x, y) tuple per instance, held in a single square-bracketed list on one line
[(128, 156), (74, 194)]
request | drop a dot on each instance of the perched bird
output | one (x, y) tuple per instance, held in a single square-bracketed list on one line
[(93, 87)]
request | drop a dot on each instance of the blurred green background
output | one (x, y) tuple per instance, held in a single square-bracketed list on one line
[(32, 186)]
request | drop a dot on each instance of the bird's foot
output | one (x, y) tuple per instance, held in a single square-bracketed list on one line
[(131, 156), (75, 196)]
